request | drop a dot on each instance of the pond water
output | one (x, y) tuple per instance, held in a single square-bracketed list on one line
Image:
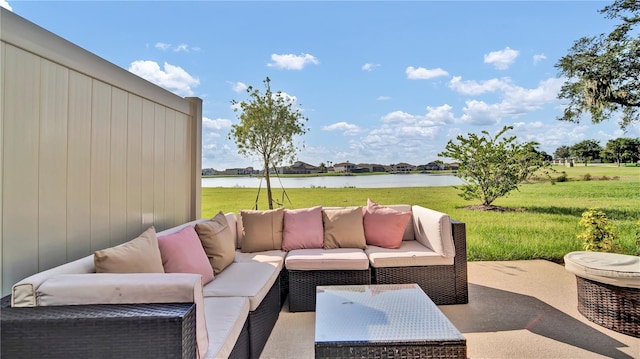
[(372, 181)]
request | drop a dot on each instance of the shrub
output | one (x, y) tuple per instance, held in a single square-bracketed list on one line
[(587, 177), (598, 235), (563, 177)]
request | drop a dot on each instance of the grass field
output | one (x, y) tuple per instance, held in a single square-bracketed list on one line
[(542, 223)]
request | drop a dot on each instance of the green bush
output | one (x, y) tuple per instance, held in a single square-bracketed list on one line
[(598, 234), (586, 177)]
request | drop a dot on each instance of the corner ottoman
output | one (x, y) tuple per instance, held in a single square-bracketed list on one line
[(309, 268), (608, 289)]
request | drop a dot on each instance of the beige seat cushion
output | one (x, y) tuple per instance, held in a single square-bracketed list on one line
[(410, 254), (327, 259), (620, 270), (225, 318), (274, 257), (246, 279), (139, 255), (218, 241)]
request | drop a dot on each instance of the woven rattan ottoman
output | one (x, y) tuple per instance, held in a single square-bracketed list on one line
[(608, 289), (383, 321)]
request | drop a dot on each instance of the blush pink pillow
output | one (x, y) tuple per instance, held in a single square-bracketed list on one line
[(302, 228), (384, 226), (182, 252)]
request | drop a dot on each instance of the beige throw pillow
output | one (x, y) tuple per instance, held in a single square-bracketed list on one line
[(217, 241), (343, 228), (139, 255), (262, 230)]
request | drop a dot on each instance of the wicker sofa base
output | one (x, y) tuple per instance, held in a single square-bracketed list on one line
[(263, 319), (612, 307), (302, 285), (438, 282), (445, 350), (242, 348), (99, 331)]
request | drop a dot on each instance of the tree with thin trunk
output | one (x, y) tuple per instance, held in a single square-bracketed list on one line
[(269, 124)]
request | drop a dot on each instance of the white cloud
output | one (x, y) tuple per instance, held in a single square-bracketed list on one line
[(217, 124), (518, 100), (179, 48), (471, 87), (162, 46), (238, 86), (501, 59), (383, 98), (369, 67), (515, 100), (5, 4), (348, 128), (538, 57), (440, 115), (291, 61), (481, 113), (421, 73), (172, 78), (182, 47)]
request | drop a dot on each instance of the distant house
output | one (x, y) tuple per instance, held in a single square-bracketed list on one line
[(344, 167), (434, 166), (209, 172), (300, 167), (239, 171), (370, 167), (452, 166), (403, 167)]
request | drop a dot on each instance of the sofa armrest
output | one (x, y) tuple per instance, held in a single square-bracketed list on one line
[(109, 330), (128, 288), (433, 230)]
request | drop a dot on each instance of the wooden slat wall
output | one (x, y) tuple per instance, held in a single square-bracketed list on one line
[(86, 163)]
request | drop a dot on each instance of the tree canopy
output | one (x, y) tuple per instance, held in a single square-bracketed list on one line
[(268, 125), (602, 71), (493, 166), (586, 150), (621, 150)]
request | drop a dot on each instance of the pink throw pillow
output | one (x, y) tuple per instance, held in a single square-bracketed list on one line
[(302, 228), (182, 252), (384, 226)]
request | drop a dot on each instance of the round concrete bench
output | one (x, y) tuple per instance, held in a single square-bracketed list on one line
[(608, 289)]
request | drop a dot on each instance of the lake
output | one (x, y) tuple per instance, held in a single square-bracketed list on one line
[(372, 181)]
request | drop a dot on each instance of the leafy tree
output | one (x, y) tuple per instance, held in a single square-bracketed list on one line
[(621, 150), (587, 150), (602, 71), (268, 124), (562, 152), (493, 166)]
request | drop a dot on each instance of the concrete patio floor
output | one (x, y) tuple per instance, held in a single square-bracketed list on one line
[(517, 309)]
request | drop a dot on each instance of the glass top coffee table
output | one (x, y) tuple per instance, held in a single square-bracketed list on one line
[(383, 321)]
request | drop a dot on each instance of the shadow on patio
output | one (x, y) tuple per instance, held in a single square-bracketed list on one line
[(517, 309)]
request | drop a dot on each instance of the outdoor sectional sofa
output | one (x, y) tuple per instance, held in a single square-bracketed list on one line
[(72, 311)]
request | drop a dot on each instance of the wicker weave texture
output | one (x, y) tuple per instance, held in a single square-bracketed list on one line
[(242, 349), (99, 331), (444, 284), (263, 319), (612, 307), (302, 285), (444, 350)]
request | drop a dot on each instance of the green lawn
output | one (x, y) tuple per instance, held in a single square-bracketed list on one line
[(543, 222)]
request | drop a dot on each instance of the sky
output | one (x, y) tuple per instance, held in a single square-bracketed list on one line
[(379, 82)]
